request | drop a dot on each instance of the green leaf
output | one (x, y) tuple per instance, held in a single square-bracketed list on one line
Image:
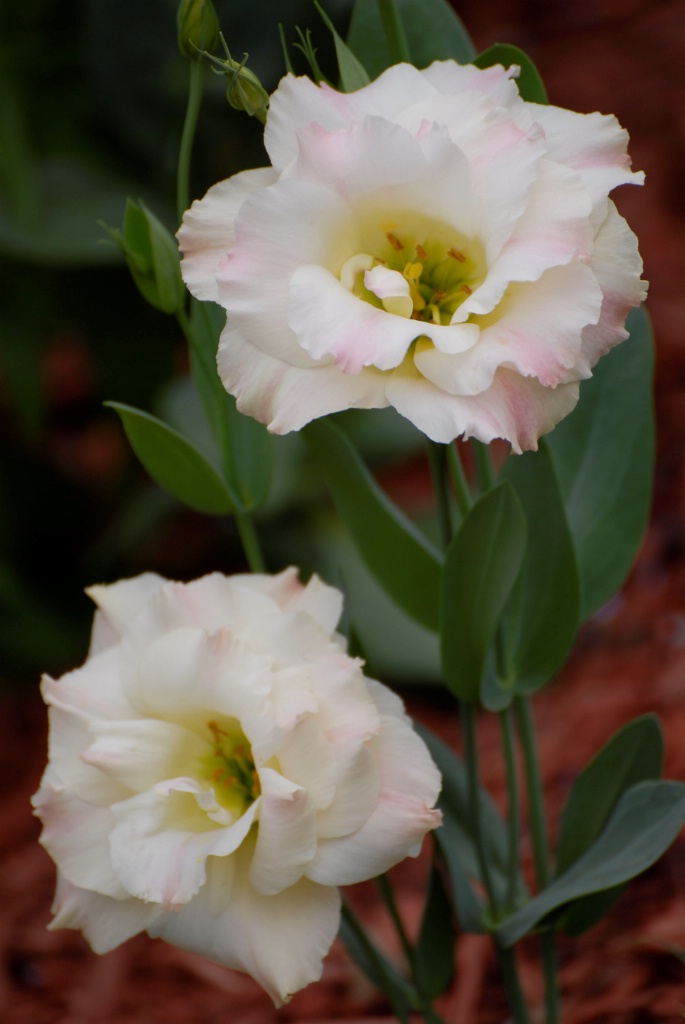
[(633, 754), (432, 28), (435, 946), (529, 81), (352, 74), (398, 555), (377, 967), (546, 601), (646, 820), (152, 256), (455, 839), (481, 566), (604, 456), (173, 462), (582, 914)]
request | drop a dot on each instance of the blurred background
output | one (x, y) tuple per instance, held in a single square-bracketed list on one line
[(92, 97)]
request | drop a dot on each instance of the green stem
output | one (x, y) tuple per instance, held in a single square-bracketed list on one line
[(514, 809), (197, 72), (386, 891), (250, 541), (506, 959), (462, 490), (538, 827), (468, 724), (437, 457), (394, 32)]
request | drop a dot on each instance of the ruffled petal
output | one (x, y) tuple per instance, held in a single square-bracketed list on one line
[(286, 837), (280, 940), (208, 229), (104, 921)]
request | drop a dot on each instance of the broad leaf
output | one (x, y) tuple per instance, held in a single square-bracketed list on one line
[(545, 606), (646, 820), (174, 463), (402, 560), (529, 81), (604, 456), (633, 754), (435, 948), (481, 566), (432, 28)]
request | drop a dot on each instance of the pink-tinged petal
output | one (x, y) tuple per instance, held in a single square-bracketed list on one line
[(330, 321), (75, 835), (495, 82), (286, 397), (286, 837), (71, 733), (595, 145), (517, 409), (536, 330), (317, 599), (118, 603), (307, 758), (409, 786), (356, 791), (104, 921), (160, 843), (553, 230), (617, 266), (208, 229), (96, 690), (137, 755), (298, 103), (280, 940), (290, 224)]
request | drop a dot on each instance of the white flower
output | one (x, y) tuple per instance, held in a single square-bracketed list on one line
[(218, 766), (430, 242)]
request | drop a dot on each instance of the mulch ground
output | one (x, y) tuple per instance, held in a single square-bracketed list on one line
[(625, 56)]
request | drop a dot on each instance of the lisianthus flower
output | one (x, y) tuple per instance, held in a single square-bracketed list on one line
[(431, 242), (219, 766)]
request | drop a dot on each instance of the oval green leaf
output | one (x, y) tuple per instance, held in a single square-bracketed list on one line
[(646, 820), (481, 566), (174, 463), (604, 457), (399, 556)]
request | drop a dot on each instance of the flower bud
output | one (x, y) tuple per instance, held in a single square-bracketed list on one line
[(198, 27), (245, 91), (152, 257)]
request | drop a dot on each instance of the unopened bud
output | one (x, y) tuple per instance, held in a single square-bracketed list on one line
[(152, 257), (198, 27), (244, 91)]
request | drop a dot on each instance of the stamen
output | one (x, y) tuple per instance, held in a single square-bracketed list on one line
[(465, 288), (413, 271), (394, 241), (421, 252), (456, 255)]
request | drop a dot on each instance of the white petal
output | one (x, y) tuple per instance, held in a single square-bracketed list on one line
[(140, 754), (286, 837), (307, 758), (287, 397), (356, 791), (392, 288), (280, 940), (160, 843), (409, 786), (105, 922), (75, 835), (208, 229), (120, 602), (70, 735)]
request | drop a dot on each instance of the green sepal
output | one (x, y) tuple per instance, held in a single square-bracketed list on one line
[(432, 28), (481, 566), (174, 463), (604, 457), (152, 257), (403, 561), (645, 821), (529, 82), (353, 74)]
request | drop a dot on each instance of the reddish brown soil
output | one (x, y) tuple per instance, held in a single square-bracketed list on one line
[(626, 56)]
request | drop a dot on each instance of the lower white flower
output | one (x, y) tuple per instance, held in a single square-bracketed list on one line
[(219, 766)]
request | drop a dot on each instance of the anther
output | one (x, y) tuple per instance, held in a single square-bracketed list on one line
[(421, 252), (394, 241), (456, 255), (465, 288)]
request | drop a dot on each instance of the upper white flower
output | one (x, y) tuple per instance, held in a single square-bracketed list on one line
[(431, 242), (218, 766)]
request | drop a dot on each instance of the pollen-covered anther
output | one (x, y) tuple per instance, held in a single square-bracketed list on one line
[(456, 255), (394, 241)]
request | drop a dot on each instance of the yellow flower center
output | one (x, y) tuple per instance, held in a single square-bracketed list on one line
[(229, 767), (441, 269)]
